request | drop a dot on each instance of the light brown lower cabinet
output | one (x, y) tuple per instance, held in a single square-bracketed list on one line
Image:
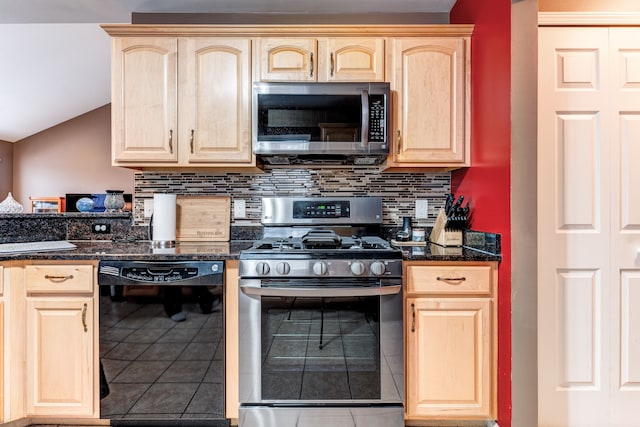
[(59, 356), (52, 308), (61, 348), (450, 341)]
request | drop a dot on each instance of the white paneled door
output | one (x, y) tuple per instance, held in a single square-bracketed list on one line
[(589, 227), (624, 62)]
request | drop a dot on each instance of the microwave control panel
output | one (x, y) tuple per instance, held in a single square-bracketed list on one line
[(377, 126)]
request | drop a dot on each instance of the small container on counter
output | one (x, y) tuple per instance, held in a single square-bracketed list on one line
[(114, 201), (404, 234), (418, 235), (10, 205)]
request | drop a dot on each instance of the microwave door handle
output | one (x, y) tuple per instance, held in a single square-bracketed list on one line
[(364, 133)]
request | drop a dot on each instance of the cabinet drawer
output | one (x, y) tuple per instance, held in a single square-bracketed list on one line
[(59, 278), (456, 279)]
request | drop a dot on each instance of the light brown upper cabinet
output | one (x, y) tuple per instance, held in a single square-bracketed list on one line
[(215, 103), (181, 94), (180, 101), (144, 100), (310, 59), (430, 79)]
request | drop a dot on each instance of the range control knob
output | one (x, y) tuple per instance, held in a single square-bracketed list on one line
[(357, 268), (377, 268), (283, 268), (320, 268), (262, 268)]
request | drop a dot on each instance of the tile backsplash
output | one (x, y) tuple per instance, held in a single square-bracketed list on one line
[(398, 190)]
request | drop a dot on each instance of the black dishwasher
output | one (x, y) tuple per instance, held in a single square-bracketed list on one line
[(162, 342)]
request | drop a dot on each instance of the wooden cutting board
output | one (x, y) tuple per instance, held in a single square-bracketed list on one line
[(203, 218)]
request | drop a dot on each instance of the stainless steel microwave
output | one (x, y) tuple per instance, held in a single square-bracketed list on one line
[(321, 123)]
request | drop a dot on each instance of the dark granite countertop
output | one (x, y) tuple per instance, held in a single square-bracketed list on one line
[(126, 240), (141, 250), (477, 246), (433, 252), (129, 243)]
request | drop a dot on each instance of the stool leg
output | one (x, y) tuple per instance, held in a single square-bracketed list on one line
[(104, 386)]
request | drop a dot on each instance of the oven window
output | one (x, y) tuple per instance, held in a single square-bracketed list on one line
[(320, 348)]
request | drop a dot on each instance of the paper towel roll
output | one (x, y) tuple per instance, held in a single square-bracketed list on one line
[(164, 219)]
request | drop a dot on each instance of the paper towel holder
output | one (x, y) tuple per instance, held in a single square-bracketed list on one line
[(160, 244), (163, 221)]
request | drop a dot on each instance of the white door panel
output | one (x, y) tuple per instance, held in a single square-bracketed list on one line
[(589, 130), (629, 331), (579, 334), (579, 172), (573, 228), (624, 60)]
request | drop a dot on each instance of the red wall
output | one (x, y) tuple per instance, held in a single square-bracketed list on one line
[(487, 183)]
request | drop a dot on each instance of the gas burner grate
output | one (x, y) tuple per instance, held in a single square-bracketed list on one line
[(344, 243), (374, 243), (280, 244)]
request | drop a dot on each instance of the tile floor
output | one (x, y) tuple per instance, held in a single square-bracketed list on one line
[(160, 369)]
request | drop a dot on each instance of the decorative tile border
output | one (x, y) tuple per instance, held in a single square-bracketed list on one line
[(398, 190)]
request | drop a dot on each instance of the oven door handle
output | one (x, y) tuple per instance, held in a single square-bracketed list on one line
[(321, 291)]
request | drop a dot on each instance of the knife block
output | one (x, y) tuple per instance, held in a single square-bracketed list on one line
[(442, 236)]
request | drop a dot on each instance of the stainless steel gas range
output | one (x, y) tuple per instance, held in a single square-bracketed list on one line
[(321, 317)]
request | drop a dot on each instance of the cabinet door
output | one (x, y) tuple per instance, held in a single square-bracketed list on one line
[(449, 368), (430, 79), (351, 59), (288, 59), (327, 59), (60, 356), (215, 100), (143, 100)]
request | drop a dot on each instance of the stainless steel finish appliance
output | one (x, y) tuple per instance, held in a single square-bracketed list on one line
[(321, 123), (321, 317)]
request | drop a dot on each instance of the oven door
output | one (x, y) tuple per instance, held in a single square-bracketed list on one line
[(318, 345)]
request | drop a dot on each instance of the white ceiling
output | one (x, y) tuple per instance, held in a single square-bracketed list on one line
[(54, 57)]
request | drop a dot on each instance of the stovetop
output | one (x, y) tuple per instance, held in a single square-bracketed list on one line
[(321, 255), (321, 238)]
